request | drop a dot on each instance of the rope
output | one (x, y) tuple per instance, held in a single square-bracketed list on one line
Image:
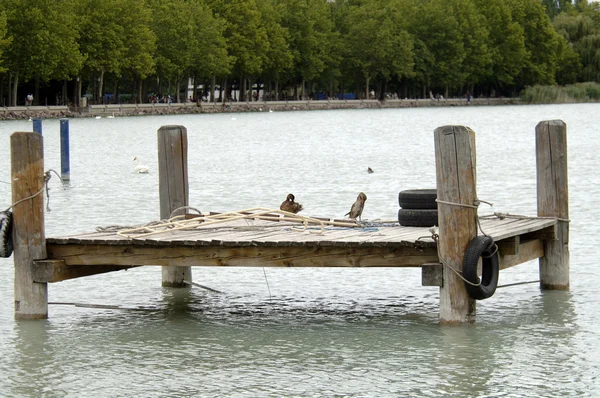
[(103, 306), (502, 216), (458, 273), (516, 284), (45, 186), (202, 286), (268, 287), (182, 208), (178, 223)]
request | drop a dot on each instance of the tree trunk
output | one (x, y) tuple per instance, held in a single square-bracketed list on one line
[(36, 94), (367, 88), (100, 83), (63, 98), (10, 91), (141, 91), (79, 84), (178, 84), (213, 83), (276, 90)]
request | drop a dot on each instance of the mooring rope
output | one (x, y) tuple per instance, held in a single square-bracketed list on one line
[(45, 186), (502, 216), (180, 222), (202, 287), (517, 283)]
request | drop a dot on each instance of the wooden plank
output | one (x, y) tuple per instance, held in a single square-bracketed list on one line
[(456, 184), (529, 250), (27, 176), (553, 201), (329, 256)]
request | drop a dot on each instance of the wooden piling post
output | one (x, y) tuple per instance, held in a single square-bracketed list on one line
[(27, 172), (37, 125), (173, 187), (456, 184), (65, 155), (553, 201)]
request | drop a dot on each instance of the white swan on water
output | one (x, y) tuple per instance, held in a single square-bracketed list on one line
[(139, 168)]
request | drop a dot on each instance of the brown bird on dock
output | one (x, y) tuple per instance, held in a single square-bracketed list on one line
[(289, 205), (358, 206)]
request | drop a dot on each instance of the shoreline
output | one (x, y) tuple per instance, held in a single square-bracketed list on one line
[(54, 112)]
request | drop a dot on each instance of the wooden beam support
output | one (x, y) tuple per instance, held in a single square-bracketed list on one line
[(27, 175), (456, 185), (553, 201), (250, 256), (509, 246), (529, 250), (50, 271), (432, 274), (173, 188)]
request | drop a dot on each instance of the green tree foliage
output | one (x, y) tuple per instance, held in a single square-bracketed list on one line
[(486, 46), (581, 33), (5, 40), (377, 41), (312, 37), (279, 58), (541, 42), (189, 40), (506, 44), (44, 41)]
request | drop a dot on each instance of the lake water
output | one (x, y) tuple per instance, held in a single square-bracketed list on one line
[(304, 332)]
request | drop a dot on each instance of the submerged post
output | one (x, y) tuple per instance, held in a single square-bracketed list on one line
[(456, 185), (553, 201), (173, 187), (27, 172), (65, 162)]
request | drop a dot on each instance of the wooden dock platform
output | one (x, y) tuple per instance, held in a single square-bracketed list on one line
[(270, 238), (255, 242)]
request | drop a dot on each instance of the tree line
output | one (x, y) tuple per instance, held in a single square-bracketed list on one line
[(293, 47)]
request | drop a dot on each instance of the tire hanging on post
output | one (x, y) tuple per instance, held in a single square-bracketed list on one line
[(484, 247), (6, 242)]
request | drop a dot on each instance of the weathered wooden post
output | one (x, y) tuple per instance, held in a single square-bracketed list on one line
[(173, 187), (27, 172), (456, 185), (553, 201)]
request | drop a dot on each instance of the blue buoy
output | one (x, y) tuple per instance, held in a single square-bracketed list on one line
[(37, 126), (65, 162)]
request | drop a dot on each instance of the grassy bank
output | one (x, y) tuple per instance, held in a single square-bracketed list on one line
[(580, 92)]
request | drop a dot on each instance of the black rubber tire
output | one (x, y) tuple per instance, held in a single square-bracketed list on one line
[(6, 243), (418, 217), (418, 199), (484, 247)]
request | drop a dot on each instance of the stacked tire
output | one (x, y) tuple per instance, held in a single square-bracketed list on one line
[(418, 208)]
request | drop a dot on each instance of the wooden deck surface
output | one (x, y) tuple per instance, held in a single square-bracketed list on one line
[(253, 243), (249, 232)]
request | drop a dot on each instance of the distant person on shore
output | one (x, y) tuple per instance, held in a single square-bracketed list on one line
[(468, 97), (29, 99)]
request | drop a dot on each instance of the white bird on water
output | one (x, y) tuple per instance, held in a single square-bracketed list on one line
[(139, 168)]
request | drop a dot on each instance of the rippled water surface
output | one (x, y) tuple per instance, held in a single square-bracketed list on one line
[(304, 332)]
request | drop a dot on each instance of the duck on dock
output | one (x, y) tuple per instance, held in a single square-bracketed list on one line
[(290, 206), (358, 206)]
